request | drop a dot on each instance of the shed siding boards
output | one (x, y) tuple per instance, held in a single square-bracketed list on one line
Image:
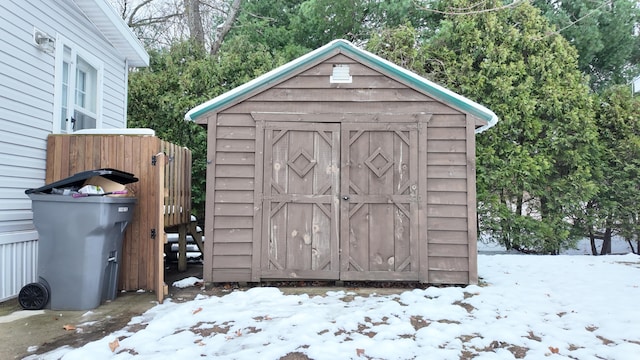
[(26, 117), (406, 167)]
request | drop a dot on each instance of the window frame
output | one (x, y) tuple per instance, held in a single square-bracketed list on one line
[(76, 53)]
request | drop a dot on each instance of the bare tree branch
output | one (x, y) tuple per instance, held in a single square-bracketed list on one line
[(222, 30), (156, 20), (219, 9), (160, 23), (590, 13), (135, 10), (470, 9), (593, 11), (261, 17)]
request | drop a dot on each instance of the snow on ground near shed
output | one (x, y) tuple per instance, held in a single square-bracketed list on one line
[(536, 307)]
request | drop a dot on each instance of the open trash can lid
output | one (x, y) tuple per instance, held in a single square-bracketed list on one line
[(78, 180)]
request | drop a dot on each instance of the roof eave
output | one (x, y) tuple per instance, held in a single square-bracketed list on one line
[(433, 89), (115, 30), (441, 93), (259, 82)]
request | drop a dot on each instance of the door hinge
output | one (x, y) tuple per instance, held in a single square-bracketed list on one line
[(154, 160), (153, 233)]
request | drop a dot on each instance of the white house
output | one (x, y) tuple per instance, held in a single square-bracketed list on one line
[(63, 67)]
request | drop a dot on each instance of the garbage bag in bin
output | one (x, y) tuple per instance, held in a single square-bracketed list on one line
[(80, 240)]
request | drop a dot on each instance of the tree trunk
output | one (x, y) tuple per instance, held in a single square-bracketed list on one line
[(592, 238), (606, 244), (631, 246), (545, 215), (504, 224), (194, 21), (223, 29)]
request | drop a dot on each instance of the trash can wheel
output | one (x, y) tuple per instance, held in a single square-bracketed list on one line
[(33, 296)]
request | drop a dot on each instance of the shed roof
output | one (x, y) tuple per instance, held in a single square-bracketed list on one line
[(115, 30), (345, 47)]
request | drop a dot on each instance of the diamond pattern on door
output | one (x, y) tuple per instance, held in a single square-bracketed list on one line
[(378, 162), (300, 221), (301, 162), (340, 201), (379, 218)]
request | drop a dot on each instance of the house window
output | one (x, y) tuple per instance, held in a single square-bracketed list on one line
[(78, 89)]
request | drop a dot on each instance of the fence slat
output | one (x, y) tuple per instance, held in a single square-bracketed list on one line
[(142, 261)]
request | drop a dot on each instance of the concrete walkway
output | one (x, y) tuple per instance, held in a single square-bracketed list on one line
[(29, 332)]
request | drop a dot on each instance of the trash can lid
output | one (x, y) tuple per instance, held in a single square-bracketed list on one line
[(77, 180)]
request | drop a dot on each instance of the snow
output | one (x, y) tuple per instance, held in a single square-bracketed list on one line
[(17, 315), (187, 282), (555, 307)]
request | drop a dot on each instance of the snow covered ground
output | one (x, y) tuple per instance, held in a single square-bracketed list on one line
[(533, 307)]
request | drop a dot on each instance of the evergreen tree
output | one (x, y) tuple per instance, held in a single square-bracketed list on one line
[(605, 33), (615, 209), (182, 77), (303, 25), (534, 167)]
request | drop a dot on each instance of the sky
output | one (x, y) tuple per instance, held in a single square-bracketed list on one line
[(526, 306)]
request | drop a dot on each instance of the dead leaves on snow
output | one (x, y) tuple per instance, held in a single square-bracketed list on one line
[(238, 333), (114, 345), (533, 336), (205, 329), (418, 322)]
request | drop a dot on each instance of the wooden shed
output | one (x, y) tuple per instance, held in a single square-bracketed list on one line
[(341, 166)]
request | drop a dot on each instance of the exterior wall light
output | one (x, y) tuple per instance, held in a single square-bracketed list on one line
[(44, 41)]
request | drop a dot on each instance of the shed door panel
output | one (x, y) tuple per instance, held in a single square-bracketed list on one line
[(379, 207), (301, 184)]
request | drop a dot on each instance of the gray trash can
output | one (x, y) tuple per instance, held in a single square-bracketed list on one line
[(80, 244)]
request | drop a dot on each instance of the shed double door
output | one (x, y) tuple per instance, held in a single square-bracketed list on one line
[(340, 201)]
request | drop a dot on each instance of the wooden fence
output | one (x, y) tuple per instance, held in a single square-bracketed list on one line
[(157, 164)]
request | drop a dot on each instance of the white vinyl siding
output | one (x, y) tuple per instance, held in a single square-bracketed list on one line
[(27, 83)]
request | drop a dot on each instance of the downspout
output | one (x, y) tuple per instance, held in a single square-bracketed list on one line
[(493, 119), (126, 92)]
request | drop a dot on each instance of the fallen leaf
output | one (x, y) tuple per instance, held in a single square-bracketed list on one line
[(554, 350), (114, 345), (69, 327), (360, 352), (237, 333), (197, 310)]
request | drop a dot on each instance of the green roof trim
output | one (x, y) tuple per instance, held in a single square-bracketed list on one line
[(343, 46)]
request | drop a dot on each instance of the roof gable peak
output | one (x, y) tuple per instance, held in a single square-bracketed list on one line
[(347, 48)]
